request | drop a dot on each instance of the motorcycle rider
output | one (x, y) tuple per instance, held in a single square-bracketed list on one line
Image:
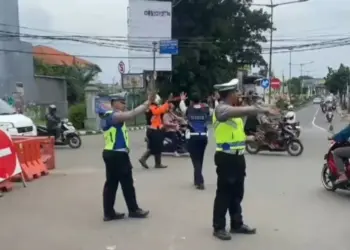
[(341, 153), (53, 121), (290, 116)]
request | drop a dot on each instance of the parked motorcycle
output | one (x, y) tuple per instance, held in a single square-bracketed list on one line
[(68, 134), (329, 173), (287, 141)]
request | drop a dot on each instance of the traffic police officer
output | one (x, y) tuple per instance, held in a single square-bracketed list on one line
[(197, 116), (117, 161), (229, 159)]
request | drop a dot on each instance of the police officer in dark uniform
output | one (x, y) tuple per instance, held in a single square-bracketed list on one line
[(197, 134), (228, 129), (117, 160)]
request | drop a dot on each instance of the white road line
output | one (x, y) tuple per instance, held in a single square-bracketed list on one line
[(314, 119)]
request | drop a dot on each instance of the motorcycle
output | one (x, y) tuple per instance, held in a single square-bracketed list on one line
[(329, 116), (287, 141), (329, 173), (68, 134), (294, 126)]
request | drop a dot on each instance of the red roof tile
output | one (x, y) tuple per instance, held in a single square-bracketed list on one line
[(55, 57)]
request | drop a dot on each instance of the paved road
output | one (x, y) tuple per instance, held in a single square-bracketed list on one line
[(284, 200)]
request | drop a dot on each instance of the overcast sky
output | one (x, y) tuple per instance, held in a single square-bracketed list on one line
[(312, 21)]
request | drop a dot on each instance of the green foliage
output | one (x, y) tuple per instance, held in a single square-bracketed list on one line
[(337, 80), (77, 115), (77, 77), (216, 37), (294, 86)]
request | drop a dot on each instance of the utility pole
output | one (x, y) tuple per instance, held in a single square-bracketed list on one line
[(283, 82), (290, 63), (154, 75), (272, 6)]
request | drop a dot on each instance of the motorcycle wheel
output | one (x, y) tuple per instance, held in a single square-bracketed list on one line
[(325, 179), (252, 148), (295, 143), (74, 141)]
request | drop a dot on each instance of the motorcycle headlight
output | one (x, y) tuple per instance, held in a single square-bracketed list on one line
[(6, 125)]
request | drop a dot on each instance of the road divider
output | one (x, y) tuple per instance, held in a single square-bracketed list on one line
[(35, 156)]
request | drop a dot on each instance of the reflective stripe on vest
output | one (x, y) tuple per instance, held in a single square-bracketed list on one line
[(115, 136), (229, 135)]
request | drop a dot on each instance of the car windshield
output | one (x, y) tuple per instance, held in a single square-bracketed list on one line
[(6, 109)]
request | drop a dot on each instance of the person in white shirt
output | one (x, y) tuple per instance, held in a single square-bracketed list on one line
[(290, 117)]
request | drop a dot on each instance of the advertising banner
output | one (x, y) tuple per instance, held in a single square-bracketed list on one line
[(149, 23)]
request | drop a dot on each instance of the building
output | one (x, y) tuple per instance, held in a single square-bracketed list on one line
[(16, 59)]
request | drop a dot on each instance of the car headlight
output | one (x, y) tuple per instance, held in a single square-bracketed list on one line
[(6, 125)]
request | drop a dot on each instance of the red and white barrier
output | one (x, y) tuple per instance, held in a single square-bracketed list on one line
[(9, 164)]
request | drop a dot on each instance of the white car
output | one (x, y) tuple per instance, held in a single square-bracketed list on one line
[(317, 100), (14, 123)]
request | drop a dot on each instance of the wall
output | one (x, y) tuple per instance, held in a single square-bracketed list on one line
[(16, 60), (52, 90)]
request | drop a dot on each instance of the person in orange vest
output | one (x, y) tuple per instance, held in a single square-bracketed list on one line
[(155, 134)]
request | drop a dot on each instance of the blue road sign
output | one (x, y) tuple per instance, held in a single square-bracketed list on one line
[(265, 83), (170, 47)]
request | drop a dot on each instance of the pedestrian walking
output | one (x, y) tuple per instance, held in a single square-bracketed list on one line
[(197, 135), (229, 159), (155, 135), (117, 160)]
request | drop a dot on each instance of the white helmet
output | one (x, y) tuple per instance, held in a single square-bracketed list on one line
[(290, 107)]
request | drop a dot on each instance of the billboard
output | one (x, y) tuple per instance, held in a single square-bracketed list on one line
[(149, 22)]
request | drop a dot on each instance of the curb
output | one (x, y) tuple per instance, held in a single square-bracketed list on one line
[(95, 132)]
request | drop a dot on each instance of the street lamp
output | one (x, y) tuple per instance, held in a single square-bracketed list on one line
[(272, 6)]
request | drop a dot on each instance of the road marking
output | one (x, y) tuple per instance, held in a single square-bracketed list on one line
[(314, 119)]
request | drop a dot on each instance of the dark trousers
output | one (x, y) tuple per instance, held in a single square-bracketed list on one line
[(172, 135), (230, 189), (155, 144), (196, 148), (118, 170)]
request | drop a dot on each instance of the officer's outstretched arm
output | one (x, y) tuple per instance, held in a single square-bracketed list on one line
[(225, 112), (159, 110), (129, 115)]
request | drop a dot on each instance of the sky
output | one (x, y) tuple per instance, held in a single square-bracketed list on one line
[(312, 21)]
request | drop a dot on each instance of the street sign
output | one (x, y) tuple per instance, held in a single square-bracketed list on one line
[(170, 47), (133, 81), (265, 83), (9, 164), (275, 83), (121, 67)]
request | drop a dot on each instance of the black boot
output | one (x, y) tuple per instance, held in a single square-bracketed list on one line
[(115, 216), (144, 158), (222, 234), (157, 159), (243, 229), (139, 213)]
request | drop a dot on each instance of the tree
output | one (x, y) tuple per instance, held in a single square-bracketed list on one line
[(216, 37), (294, 86), (337, 81), (77, 77)]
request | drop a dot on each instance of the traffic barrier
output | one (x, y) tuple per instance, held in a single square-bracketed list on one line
[(36, 156), (9, 164)]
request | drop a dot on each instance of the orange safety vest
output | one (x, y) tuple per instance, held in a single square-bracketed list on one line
[(157, 112)]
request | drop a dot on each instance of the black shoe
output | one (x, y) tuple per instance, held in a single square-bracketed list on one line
[(116, 216), (139, 213), (200, 186), (222, 234), (244, 229), (160, 166), (143, 163)]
